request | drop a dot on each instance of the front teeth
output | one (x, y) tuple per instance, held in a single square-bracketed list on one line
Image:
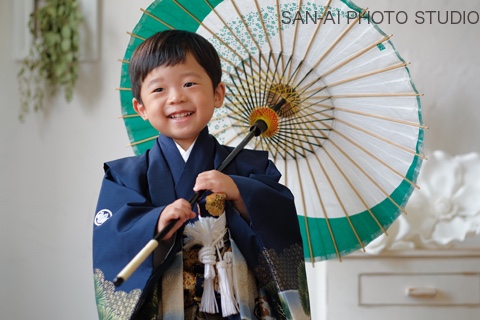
[(180, 115)]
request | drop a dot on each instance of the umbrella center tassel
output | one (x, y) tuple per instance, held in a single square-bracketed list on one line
[(267, 115)]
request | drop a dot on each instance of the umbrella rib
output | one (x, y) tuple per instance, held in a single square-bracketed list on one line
[(237, 117), (294, 125), (370, 95), (337, 196), (343, 63), (309, 240), (253, 74), (370, 178), (355, 56), (357, 77), (268, 75), (156, 18), (334, 44), (288, 66), (298, 143), (260, 16), (382, 139), (136, 36), (248, 93), (368, 74), (279, 28), (264, 91), (371, 115), (245, 97), (325, 215), (285, 135), (294, 39), (302, 114), (136, 143), (229, 29), (300, 119), (314, 35), (327, 220), (318, 103), (254, 93), (127, 116), (285, 143), (413, 184), (324, 210), (246, 25), (317, 28), (288, 145), (358, 193)]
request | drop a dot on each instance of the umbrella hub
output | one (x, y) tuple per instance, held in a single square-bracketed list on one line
[(282, 102), (291, 98), (267, 115)]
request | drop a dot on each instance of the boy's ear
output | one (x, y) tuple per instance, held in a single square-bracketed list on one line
[(219, 94), (140, 109)]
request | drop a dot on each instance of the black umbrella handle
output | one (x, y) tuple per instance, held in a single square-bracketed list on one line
[(255, 130)]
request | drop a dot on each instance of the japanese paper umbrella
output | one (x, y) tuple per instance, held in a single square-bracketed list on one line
[(348, 133)]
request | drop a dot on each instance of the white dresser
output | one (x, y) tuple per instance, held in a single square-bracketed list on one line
[(398, 285)]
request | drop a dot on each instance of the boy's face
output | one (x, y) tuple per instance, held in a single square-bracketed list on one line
[(179, 100)]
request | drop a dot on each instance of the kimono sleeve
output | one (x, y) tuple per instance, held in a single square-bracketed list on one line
[(125, 221), (272, 242), (270, 207)]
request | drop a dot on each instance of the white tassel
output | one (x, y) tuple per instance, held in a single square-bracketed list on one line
[(209, 233), (206, 255), (209, 303), (229, 304), (228, 257)]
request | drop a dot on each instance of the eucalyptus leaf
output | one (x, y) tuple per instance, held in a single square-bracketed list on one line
[(66, 45), (67, 31), (52, 62)]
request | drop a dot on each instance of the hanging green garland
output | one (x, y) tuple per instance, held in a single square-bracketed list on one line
[(53, 59)]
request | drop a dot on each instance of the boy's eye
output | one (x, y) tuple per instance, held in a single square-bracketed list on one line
[(189, 84), (158, 90)]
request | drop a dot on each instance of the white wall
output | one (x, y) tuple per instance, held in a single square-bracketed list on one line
[(51, 165), (445, 68), (50, 169)]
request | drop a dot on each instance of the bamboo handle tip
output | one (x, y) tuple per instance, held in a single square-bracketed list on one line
[(118, 281)]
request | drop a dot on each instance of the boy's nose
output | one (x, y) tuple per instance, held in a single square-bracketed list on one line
[(176, 96)]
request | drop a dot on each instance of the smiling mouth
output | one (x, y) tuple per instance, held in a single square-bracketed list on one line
[(180, 115)]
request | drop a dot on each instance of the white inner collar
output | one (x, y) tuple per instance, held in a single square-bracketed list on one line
[(185, 153)]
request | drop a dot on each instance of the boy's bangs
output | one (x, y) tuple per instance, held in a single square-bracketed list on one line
[(166, 54)]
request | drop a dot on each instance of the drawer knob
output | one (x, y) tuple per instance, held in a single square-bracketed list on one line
[(421, 292)]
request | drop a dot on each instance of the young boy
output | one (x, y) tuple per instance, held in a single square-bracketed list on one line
[(176, 84)]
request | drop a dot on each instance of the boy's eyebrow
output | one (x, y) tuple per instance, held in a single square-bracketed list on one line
[(161, 78), (190, 73)]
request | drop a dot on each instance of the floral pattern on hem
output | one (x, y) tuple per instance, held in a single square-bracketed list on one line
[(112, 304)]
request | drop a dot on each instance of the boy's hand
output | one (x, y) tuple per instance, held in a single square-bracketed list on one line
[(218, 182), (179, 209)]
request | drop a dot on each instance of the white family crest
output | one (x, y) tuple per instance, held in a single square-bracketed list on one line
[(102, 216)]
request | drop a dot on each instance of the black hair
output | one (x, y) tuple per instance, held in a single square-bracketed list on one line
[(169, 48)]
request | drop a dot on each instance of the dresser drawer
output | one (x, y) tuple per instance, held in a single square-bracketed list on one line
[(419, 289)]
